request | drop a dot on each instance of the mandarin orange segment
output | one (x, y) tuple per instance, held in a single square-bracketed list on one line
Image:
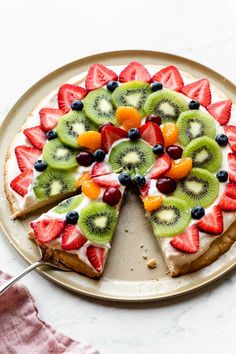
[(82, 179), (128, 117), (170, 133), (180, 169), (152, 202), (91, 189), (90, 139)]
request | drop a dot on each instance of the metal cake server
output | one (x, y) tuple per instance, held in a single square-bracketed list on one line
[(46, 259)]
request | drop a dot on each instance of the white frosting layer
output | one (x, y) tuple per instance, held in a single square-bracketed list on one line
[(173, 256)]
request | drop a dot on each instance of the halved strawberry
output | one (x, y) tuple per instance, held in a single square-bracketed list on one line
[(199, 90), (144, 190), (49, 118), (134, 71), (21, 183), (170, 78), (232, 166), (212, 222), (72, 238), (48, 229), (230, 131), (151, 133), (110, 180), (98, 76), (26, 157), (188, 241), (162, 165), (100, 169), (220, 111), (36, 136), (96, 256), (110, 134), (67, 94), (230, 190)]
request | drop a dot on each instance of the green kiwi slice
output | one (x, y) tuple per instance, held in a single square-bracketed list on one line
[(68, 204), (166, 104), (193, 124), (205, 153), (131, 156), (98, 106), (53, 182), (171, 218), (97, 221), (71, 125), (132, 94), (200, 187), (59, 156)]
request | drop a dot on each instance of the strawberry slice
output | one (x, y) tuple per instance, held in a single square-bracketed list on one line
[(48, 229), (67, 94), (134, 71), (151, 133), (232, 166), (226, 203), (221, 111), (96, 256), (110, 134), (230, 131), (100, 169), (145, 189), (212, 223), (21, 183), (49, 118), (26, 157), (170, 78), (110, 180), (162, 165), (188, 241), (98, 76), (72, 239), (36, 136), (199, 90), (230, 190)]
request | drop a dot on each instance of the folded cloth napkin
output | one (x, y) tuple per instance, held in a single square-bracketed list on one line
[(22, 331)]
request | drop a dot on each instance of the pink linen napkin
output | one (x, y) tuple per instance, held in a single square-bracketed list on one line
[(22, 331)]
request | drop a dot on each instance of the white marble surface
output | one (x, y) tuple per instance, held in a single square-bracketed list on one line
[(37, 37)]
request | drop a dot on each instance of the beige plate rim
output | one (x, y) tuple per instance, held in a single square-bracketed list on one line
[(117, 57)]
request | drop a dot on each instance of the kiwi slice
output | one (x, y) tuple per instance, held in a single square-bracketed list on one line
[(59, 156), (200, 187), (68, 204), (53, 182), (205, 153), (131, 156), (98, 106), (193, 124), (166, 104), (132, 94), (171, 218), (71, 125), (97, 221)]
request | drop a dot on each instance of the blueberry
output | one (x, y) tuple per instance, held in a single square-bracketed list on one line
[(197, 212), (222, 139), (140, 181), (40, 165), (156, 86), (99, 155), (194, 104), (77, 105), (158, 149), (125, 179), (133, 134), (222, 176), (72, 217), (112, 85), (52, 134)]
